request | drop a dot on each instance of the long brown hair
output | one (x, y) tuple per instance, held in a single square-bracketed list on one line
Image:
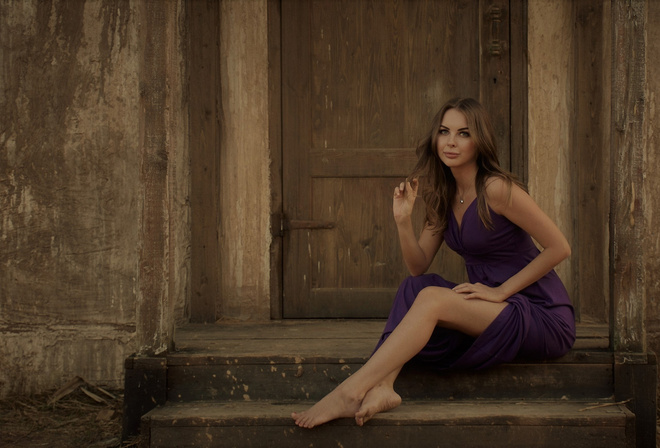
[(438, 185)]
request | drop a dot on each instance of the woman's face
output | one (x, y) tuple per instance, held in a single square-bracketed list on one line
[(455, 145)]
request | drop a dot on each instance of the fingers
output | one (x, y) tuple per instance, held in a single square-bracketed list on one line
[(414, 185), (407, 187), (478, 291), (470, 291), (400, 191), (463, 288)]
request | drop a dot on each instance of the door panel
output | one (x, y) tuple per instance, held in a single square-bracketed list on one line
[(361, 81)]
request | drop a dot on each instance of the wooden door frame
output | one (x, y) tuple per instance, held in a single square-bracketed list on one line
[(275, 138), (515, 43)]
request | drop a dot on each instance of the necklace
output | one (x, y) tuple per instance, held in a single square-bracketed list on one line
[(461, 197)]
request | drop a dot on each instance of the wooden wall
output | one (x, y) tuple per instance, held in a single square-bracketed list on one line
[(93, 187), (69, 182), (651, 162), (231, 158), (204, 64), (95, 197), (245, 161), (569, 122), (590, 158)]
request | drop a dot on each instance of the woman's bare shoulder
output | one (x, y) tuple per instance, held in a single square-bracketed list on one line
[(500, 193)]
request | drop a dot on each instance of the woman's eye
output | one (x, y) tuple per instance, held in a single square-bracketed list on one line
[(444, 132), (465, 134)]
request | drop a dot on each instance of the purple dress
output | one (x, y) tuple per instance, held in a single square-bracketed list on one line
[(539, 322)]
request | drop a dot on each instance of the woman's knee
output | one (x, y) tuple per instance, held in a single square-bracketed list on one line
[(434, 299)]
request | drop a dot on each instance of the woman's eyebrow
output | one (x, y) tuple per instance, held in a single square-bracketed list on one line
[(442, 126)]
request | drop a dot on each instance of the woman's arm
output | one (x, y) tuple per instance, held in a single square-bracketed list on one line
[(518, 207), (417, 254)]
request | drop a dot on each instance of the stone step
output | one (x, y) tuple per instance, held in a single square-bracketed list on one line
[(511, 424)]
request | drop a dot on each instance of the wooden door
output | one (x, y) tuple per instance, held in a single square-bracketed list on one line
[(361, 82)]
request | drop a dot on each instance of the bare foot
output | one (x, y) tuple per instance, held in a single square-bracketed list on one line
[(337, 404), (381, 398)]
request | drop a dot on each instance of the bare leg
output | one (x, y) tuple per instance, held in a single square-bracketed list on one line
[(381, 398), (433, 306)]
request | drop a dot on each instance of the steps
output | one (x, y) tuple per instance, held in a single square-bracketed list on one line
[(418, 424), (236, 385)]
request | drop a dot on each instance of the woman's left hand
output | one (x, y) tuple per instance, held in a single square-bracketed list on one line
[(479, 291)]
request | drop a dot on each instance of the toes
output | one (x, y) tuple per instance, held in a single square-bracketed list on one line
[(362, 416), (299, 419), (302, 420), (359, 417)]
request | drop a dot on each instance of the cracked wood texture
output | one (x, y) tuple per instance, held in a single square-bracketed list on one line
[(627, 225)]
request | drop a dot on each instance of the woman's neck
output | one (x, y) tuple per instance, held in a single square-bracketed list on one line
[(465, 178)]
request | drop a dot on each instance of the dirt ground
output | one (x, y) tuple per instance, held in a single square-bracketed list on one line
[(79, 415)]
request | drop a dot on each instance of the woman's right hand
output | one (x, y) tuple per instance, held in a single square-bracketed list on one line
[(404, 199), (417, 254)]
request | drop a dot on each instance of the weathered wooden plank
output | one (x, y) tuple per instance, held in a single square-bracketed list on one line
[(157, 43), (280, 352), (194, 337), (494, 71), (569, 413), (275, 145), (519, 86), (145, 386), (419, 436), (591, 194), (627, 171), (354, 162), (420, 424), (295, 358), (310, 329), (296, 125), (351, 302), (319, 340), (204, 140), (312, 380), (245, 382), (636, 379), (335, 351)]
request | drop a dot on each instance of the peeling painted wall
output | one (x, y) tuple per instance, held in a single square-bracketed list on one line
[(70, 191)]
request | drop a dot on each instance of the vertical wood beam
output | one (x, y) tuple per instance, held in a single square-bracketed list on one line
[(519, 87), (590, 161), (154, 320), (626, 201), (494, 63), (204, 138), (275, 140)]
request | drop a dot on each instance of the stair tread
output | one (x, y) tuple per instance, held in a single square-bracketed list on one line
[(527, 413), (294, 342)]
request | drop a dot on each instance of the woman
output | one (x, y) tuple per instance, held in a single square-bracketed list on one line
[(514, 304)]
